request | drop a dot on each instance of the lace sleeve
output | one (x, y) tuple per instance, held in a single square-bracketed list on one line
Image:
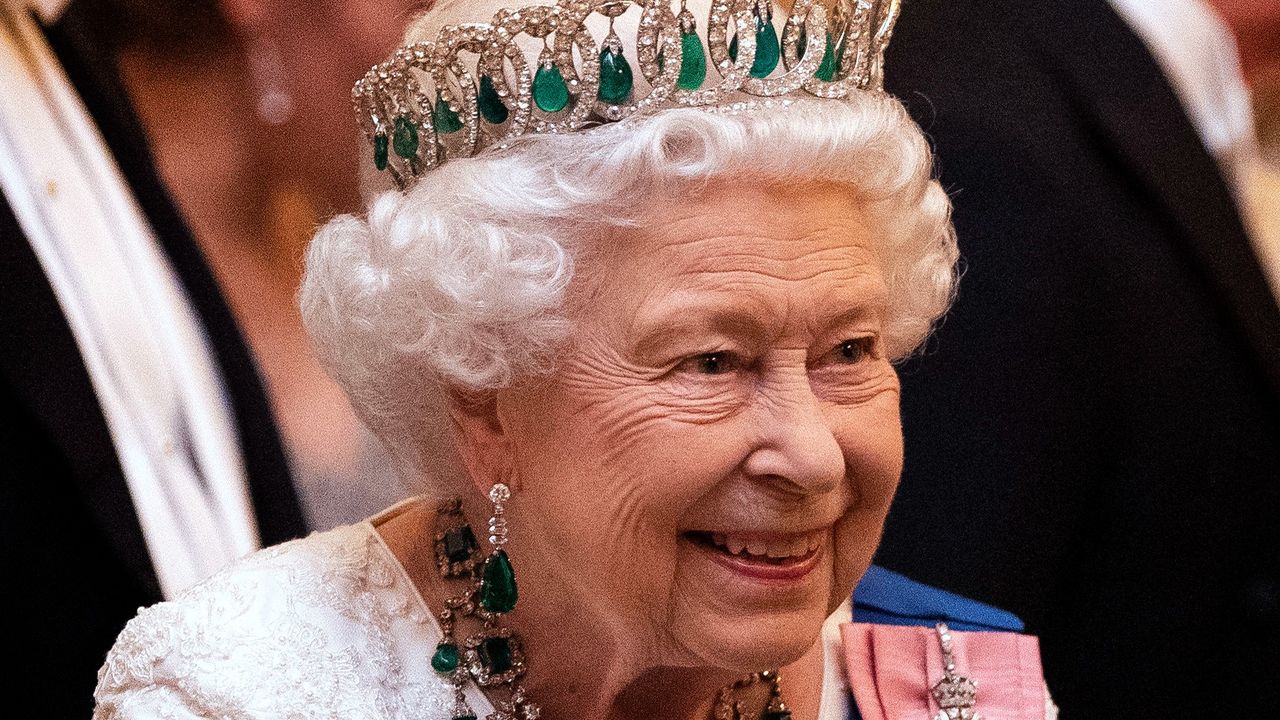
[(148, 675), (282, 635), (316, 628), (279, 635)]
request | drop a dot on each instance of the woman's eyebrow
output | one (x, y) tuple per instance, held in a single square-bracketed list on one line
[(680, 320), (846, 317)]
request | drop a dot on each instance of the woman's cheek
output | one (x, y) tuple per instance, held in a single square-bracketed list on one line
[(856, 537), (870, 435)]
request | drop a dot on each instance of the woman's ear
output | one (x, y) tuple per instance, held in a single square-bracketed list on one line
[(482, 441)]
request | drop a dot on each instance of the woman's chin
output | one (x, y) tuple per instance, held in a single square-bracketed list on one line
[(753, 645)]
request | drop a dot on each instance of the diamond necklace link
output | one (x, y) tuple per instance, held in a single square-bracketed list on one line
[(728, 707)]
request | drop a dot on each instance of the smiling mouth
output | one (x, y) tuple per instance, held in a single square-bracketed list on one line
[(768, 557)]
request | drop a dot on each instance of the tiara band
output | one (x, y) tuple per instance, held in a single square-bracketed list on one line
[(426, 104)]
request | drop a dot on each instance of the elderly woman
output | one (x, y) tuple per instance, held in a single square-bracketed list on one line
[(643, 367)]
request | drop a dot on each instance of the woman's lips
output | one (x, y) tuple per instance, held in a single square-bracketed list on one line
[(763, 557)]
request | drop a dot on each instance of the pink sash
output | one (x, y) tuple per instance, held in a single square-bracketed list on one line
[(892, 668)]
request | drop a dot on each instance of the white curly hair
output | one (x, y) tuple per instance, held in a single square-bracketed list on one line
[(458, 286)]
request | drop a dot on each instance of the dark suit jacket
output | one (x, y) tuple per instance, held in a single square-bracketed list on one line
[(77, 567), (1093, 435)]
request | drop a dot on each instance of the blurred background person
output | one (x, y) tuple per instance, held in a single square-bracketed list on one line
[(1256, 27), (137, 447), (1094, 433), (247, 104)]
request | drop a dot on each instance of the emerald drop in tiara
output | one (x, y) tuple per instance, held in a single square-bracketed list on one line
[(473, 88)]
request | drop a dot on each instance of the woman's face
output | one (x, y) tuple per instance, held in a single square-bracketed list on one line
[(707, 473)]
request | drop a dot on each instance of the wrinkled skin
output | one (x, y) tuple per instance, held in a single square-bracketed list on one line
[(725, 374)]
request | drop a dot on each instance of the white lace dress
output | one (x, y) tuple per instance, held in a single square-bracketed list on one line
[(325, 627)]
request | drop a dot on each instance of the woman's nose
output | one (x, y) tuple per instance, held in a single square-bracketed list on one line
[(797, 445)]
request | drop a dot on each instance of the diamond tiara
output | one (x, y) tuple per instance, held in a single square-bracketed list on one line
[(428, 103)]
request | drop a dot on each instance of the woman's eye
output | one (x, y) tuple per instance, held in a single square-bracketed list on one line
[(854, 351), (713, 363)]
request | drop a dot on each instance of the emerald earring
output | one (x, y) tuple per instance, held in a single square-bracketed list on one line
[(498, 591), (492, 655)]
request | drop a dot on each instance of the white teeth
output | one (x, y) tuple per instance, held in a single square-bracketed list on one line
[(789, 548), (781, 548), (798, 546)]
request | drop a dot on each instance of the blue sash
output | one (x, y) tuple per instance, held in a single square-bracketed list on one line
[(884, 597)]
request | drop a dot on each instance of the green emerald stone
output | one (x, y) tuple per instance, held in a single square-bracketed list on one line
[(615, 78), (768, 51), (498, 584), (491, 106), (550, 93), (445, 660), (380, 143), (447, 120), (405, 138), (495, 655), (827, 68), (693, 62), (459, 543)]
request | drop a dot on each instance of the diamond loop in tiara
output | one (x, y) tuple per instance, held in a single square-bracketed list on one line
[(473, 87)]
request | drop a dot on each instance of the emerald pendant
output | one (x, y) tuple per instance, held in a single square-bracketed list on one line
[(693, 62), (840, 54), (405, 138), (447, 120), (491, 106), (550, 93), (495, 655), (615, 77), (498, 591), (380, 151), (767, 49), (826, 71), (459, 544), (445, 660)]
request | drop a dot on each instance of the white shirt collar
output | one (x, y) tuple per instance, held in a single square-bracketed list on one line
[(835, 685)]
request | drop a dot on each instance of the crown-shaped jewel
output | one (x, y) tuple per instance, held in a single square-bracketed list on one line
[(473, 87), (955, 694)]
